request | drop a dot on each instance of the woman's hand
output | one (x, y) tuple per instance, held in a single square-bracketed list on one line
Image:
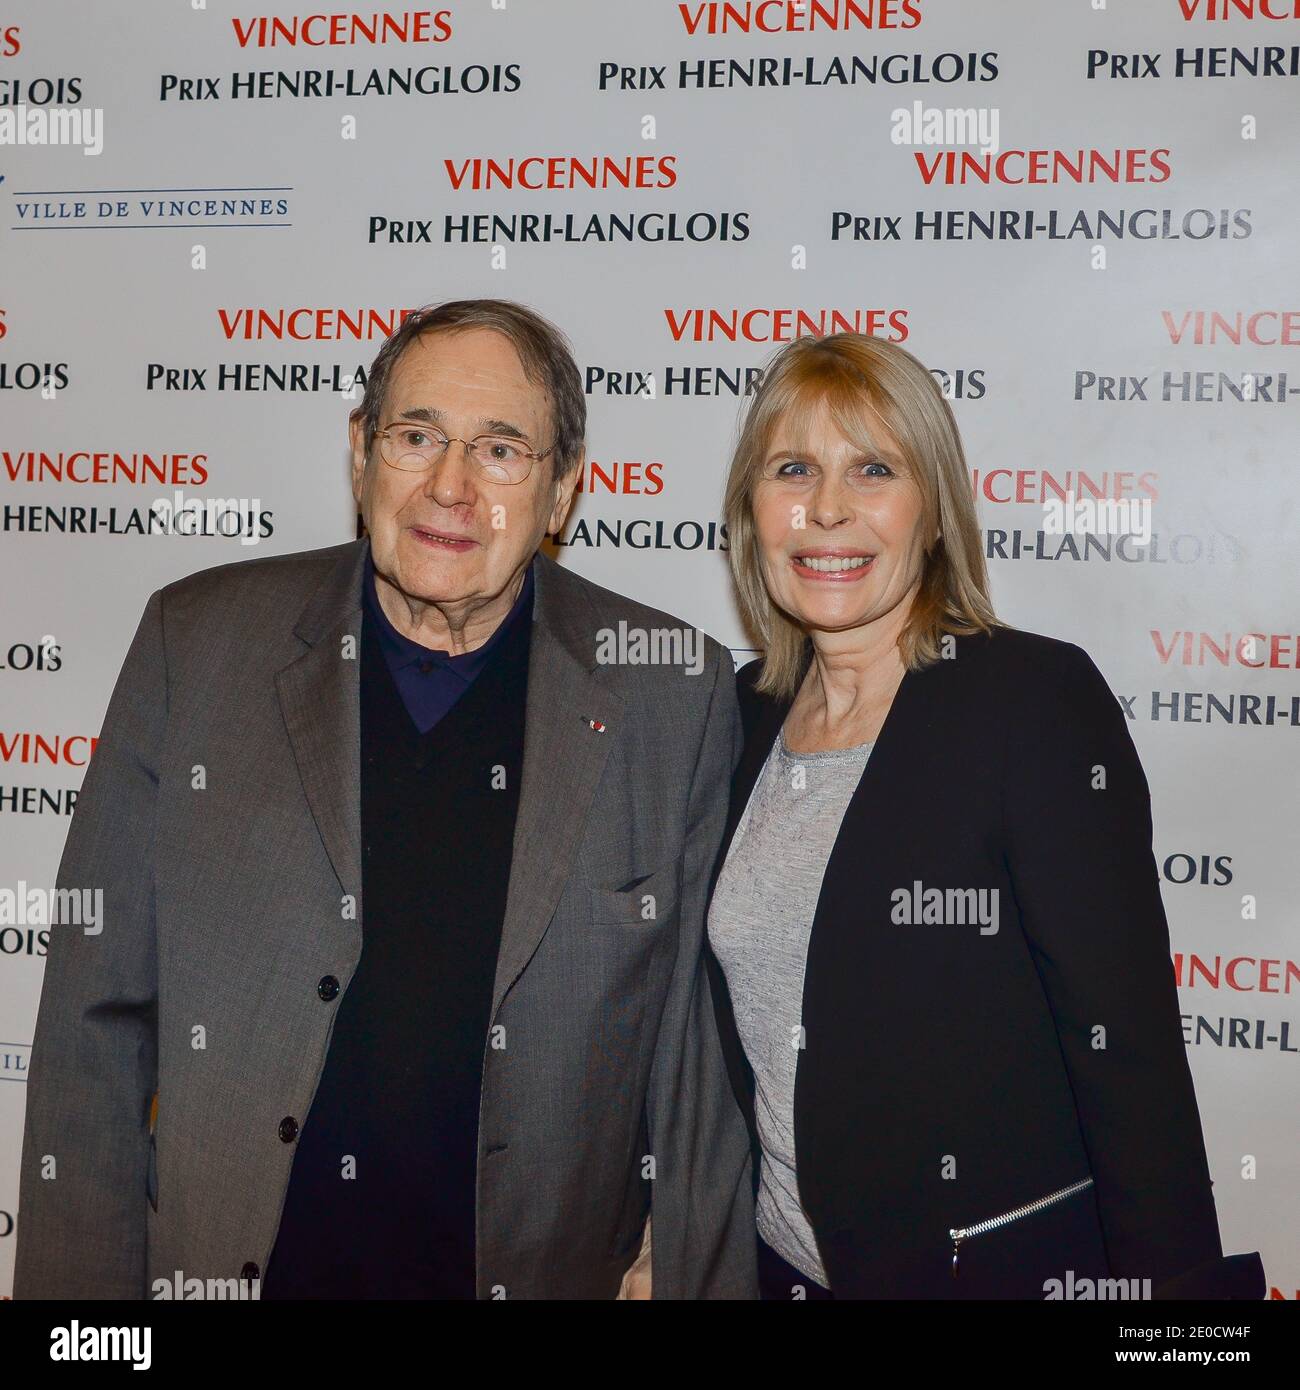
[(636, 1282)]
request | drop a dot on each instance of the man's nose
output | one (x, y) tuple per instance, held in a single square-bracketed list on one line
[(451, 480)]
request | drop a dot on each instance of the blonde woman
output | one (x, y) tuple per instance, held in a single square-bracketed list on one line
[(941, 960)]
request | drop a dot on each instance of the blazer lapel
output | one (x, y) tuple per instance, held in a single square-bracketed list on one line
[(320, 697), (761, 717), (563, 761)]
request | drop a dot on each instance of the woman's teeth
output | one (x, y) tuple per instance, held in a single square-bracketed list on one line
[(830, 564)]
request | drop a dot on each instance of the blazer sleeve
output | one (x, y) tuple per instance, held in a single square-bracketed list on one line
[(1077, 817), (702, 1197), (86, 1147)]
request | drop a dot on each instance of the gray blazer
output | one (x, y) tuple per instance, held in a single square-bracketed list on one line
[(221, 817)]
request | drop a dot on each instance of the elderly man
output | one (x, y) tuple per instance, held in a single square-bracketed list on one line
[(404, 893)]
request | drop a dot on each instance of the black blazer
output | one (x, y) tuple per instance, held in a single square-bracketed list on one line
[(949, 1077)]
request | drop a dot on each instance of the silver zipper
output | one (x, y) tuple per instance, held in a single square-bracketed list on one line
[(960, 1233)]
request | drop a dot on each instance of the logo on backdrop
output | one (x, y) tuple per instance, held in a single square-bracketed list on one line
[(44, 654), (26, 749), (14, 1059)]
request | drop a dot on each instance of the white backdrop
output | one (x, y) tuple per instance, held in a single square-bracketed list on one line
[(1066, 286)]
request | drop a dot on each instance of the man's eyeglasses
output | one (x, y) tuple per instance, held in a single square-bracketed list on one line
[(415, 448)]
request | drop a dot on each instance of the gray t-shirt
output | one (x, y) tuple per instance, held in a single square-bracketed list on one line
[(759, 924)]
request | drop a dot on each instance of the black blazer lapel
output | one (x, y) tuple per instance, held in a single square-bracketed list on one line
[(761, 718)]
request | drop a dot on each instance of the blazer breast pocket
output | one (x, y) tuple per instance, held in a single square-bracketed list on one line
[(642, 903)]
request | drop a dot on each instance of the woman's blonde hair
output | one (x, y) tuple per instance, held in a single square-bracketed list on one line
[(859, 377)]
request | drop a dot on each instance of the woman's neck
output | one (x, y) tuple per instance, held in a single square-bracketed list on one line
[(848, 690)]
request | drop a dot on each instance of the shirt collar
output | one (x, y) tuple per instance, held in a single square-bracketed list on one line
[(401, 651)]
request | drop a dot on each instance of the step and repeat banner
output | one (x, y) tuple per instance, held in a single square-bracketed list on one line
[(1079, 214)]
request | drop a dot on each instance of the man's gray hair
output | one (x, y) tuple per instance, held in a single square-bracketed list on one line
[(543, 350)]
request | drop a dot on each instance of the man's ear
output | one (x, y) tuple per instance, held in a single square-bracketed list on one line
[(564, 490), (357, 439)]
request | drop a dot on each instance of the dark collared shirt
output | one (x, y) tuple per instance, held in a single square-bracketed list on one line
[(429, 681)]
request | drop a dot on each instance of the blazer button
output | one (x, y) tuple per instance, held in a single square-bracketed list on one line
[(250, 1271), (328, 988), (288, 1129)]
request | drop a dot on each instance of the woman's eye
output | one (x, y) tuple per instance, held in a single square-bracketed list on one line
[(785, 469), (876, 470)]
